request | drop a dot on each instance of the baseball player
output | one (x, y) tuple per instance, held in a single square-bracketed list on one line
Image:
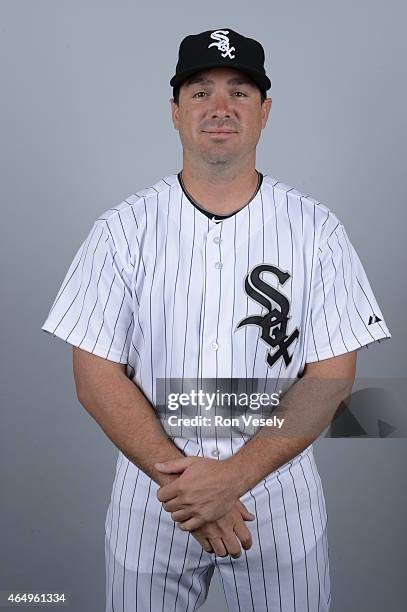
[(216, 272)]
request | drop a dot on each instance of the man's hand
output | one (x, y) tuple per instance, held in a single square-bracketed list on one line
[(205, 491), (222, 536)]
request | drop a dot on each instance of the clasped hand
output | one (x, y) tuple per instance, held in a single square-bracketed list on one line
[(204, 500)]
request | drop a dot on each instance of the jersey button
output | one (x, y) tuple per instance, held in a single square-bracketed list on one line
[(217, 240), (219, 265), (215, 453), (214, 346)]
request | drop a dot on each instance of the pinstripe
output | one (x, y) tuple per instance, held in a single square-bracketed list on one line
[(115, 323), (278, 254), (293, 274), (131, 325), (75, 266), (103, 319), (154, 554), (169, 556), (127, 537), (354, 275), (323, 307), (175, 288), (117, 535), (276, 226), (326, 556), (221, 577), (164, 292), (217, 327), (138, 355), (168, 565), (235, 585), (315, 536), (309, 292), (80, 286), (334, 229), (260, 549), (232, 318), (291, 286), (187, 296), (288, 536), (96, 299), (196, 568), (103, 314), (110, 509), (336, 303), (274, 541), (262, 259), (201, 328), (247, 297), (182, 569), (124, 234), (66, 285), (234, 295), (278, 265), (138, 241), (138, 312), (200, 360), (140, 543), (302, 533), (325, 221), (150, 296), (346, 289), (204, 572)]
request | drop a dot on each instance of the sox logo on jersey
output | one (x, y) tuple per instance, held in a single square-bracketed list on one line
[(274, 322), (222, 43), (157, 285)]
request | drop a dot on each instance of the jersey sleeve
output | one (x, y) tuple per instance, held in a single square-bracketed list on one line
[(345, 315), (93, 307)]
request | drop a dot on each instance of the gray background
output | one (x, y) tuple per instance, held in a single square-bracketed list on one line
[(84, 122)]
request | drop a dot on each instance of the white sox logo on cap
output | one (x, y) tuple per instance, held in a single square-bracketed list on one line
[(223, 43)]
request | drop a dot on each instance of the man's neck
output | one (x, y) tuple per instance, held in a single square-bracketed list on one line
[(220, 192)]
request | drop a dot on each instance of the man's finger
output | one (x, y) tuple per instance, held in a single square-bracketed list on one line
[(175, 466), (167, 492), (218, 547), (243, 534), (181, 515), (191, 524), (173, 505), (247, 516), (204, 542), (232, 544)]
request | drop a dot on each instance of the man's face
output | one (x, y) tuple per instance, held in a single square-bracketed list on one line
[(220, 115)]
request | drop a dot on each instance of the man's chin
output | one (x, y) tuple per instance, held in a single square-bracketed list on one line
[(218, 157)]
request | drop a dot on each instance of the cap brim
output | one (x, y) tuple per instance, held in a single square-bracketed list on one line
[(258, 77)]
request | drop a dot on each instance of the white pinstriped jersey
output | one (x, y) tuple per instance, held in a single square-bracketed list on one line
[(160, 287)]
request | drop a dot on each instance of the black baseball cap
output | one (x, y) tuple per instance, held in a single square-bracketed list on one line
[(221, 48)]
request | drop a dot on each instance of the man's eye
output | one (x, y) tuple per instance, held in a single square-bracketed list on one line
[(240, 92), (197, 94)]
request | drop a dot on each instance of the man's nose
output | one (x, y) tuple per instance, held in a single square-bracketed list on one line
[(221, 106)]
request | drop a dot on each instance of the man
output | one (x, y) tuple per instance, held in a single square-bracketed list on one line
[(216, 273)]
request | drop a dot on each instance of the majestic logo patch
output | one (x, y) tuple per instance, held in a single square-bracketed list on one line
[(273, 323), (222, 43)]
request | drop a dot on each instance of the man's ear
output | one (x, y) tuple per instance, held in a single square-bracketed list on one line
[(265, 111), (174, 113)]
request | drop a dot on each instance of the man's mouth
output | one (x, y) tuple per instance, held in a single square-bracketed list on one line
[(220, 131)]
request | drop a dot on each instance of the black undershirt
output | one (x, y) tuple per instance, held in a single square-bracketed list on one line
[(212, 215)]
